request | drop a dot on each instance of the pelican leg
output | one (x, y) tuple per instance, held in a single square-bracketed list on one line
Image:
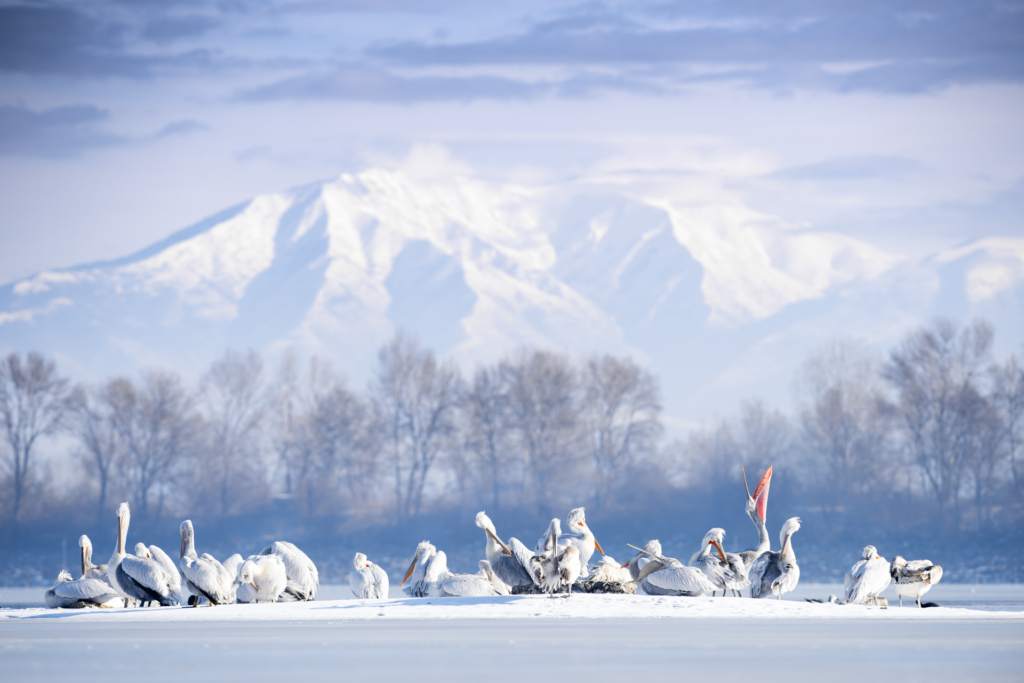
[(918, 600), (901, 601)]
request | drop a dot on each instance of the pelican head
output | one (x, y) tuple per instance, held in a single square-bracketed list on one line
[(578, 524), (124, 517), (714, 537), (870, 553), (485, 567), (485, 523), (187, 534), (359, 562), (789, 527), (247, 574), (141, 550), (63, 577), (421, 555), (86, 545), (758, 503)]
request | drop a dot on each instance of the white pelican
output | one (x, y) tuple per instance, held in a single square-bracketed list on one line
[(867, 578), (652, 549), (716, 569), (90, 570), (367, 580), (669, 576), (203, 576), (510, 563), (558, 565), (609, 571), (264, 577), (499, 586), (417, 570), (579, 534), (76, 593), (777, 573), (138, 578), (757, 510), (915, 578), (303, 577), (441, 583)]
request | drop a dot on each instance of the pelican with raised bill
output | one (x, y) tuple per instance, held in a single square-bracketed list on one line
[(139, 578), (867, 578), (90, 570), (775, 574), (509, 562), (367, 580), (203, 576), (915, 578), (303, 577), (68, 593), (757, 510), (668, 576)]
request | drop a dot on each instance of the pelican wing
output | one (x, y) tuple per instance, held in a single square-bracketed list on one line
[(170, 569), (204, 579), (300, 569), (763, 574), (681, 580), (381, 584), (361, 583), (145, 580), (514, 570), (867, 577), (466, 586)]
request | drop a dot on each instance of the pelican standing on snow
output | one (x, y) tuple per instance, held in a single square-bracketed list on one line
[(68, 593), (90, 570), (138, 578), (367, 581), (303, 577), (510, 562), (578, 534), (867, 578), (777, 573), (263, 578), (557, 565), (203, 576), (915, 578)]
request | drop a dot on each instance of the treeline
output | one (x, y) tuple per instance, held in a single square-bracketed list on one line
[(933, 432)]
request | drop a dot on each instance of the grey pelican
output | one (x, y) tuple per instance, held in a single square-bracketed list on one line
[(138, 578), (669, 576), (915, 578), (499, 586), (76, 593), (757, 510), (303, 577), (203, 576), (716, 569), (264, 577), (441, 583), (417, 570), (367, 580), (652, 549), (90, 570), (509, 562), (777, 573), (866, 578), (558, 565)]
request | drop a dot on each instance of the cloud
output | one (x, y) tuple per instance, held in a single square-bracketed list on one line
[(167, 30), (59, 132), (184, 127)]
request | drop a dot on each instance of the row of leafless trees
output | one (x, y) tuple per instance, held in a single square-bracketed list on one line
[(935, 428)]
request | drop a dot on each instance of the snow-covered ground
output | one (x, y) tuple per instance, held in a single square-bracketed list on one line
[(600, 637)]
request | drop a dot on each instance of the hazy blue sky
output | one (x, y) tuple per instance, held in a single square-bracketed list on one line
[(896, 122)]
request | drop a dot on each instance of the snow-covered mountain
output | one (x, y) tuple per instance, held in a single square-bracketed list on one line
[(721, 301)]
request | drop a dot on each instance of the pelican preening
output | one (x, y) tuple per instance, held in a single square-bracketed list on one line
[(90, 570), (867, 578), (71, 593), (715, 568), (669, 576), (915, 578), (367, 581), (303, 578), (774, 574), (510, 562), (263, 577), (652, 549)]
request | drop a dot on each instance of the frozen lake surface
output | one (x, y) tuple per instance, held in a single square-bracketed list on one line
[(599, 637)]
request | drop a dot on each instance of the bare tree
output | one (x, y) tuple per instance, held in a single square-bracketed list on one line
[(1008, 399), (34, 402), (95, 424), (487, 432), (543, 397), (236, 404), (416, 398), (622, 406), (159, 428), (845, 427), (936, 372)]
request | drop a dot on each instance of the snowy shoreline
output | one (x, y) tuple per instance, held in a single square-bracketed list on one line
[(590, 607)]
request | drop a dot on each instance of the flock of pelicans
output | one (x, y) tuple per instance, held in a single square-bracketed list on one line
[(558, 562)]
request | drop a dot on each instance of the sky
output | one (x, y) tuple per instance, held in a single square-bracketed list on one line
[(120, 122)]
